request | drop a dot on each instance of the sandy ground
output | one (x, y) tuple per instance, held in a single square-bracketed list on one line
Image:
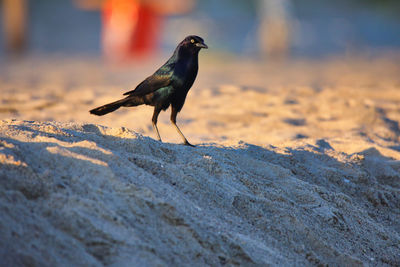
[(297, 163)]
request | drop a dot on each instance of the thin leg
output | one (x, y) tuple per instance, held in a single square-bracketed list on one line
[(154, 121), (173, 121)]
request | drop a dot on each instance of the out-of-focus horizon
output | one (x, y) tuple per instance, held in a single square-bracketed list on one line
[(271, 28)]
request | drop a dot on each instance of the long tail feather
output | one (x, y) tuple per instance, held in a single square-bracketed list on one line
[(100, 111)]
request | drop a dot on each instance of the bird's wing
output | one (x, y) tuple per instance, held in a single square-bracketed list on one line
[(161, 78)]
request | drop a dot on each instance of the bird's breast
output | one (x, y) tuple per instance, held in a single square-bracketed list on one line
[(185, 75)]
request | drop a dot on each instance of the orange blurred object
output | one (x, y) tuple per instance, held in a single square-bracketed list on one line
[(131, 29), (15, 24)]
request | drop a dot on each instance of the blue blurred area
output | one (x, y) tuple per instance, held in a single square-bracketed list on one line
[(58, 26), (335, 26), (317, 27)]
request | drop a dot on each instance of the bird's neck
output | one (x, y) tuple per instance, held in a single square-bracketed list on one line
[(184, 54)]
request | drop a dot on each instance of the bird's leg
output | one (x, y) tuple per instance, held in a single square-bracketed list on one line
[(173, 121), (154, 121)]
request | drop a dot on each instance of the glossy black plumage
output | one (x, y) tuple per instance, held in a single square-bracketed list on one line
[(168, 86)]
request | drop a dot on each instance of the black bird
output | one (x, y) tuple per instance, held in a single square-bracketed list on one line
[(169, 85)]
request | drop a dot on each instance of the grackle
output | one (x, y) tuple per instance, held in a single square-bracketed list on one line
[(169, 85)]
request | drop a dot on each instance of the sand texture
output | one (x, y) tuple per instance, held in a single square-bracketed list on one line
[(296, 164)]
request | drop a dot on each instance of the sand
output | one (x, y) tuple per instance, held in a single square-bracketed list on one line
[(297, 163)]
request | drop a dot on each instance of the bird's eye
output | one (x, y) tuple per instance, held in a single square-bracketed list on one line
[(192, 41)]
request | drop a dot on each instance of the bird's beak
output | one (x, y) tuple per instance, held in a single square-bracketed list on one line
[(202, 45)]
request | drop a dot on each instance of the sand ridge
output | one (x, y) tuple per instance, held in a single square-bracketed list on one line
[(111, 196)]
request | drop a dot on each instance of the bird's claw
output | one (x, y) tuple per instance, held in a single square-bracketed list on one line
[(186, 143)]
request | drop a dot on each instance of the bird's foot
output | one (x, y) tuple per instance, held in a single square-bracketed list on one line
[(186, 143)]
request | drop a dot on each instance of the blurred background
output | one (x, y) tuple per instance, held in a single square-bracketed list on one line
[(128, 30), (302, 67)]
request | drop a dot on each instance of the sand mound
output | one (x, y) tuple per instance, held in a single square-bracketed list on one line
[(87, 195)]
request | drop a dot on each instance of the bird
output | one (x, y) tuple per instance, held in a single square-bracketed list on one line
[(168, 86)]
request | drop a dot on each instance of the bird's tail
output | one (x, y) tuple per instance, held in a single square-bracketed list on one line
[(103, 110)]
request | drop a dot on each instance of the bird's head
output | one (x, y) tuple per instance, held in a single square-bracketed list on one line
[(193, 42)]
